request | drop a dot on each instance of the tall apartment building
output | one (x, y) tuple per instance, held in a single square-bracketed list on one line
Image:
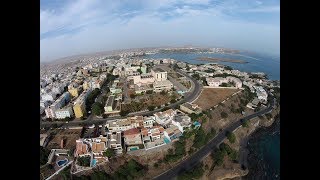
[(64, 112), (79, 106)]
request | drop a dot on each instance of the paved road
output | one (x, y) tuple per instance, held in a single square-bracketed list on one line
[(206, 150), (188, 97)]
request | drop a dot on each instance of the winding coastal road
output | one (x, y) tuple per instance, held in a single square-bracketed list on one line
[(207, 149), (189, 97)]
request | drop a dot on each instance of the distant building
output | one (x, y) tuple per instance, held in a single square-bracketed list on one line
[(143, 69), (217, 81)]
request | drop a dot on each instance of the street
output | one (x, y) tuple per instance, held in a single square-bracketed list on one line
[(207, 149), (189, 97)]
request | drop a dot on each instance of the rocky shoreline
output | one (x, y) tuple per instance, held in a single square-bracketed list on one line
[(221, 60), (257, 167)]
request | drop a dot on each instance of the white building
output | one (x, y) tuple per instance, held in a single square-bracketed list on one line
[(49, 96), (64, 112), (261, 93), (217, 81), (148, 121), (114, 142), (165, 117), (142, 79), (182, 121), (60, 102), (159, 74), (159, 86)]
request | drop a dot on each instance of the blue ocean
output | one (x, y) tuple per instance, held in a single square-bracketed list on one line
[(256, 62)]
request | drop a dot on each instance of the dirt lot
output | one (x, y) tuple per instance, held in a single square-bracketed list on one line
[(69, 135), (217, 122), (45, 172), (155, 99), (210, 97)]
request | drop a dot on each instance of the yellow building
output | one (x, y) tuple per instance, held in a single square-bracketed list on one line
[(79, 109), (85, 85), (74, 92)]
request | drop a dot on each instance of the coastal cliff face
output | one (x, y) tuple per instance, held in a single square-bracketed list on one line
[(235, 170)]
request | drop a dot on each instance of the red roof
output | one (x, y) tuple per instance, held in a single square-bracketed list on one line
[(131, 131)]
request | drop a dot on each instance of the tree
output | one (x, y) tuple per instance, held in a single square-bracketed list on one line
[(228, 68), (109, 153), (173, 101), (196, 76), (218, 156), (123, 113), (84, 161), (175, 67), (269, 115), (245, 124), (132, 96), (163, 92), (139, 70), (151, 108), (97, 109), (224, 84), (224, 114), (149, 92), (199, 139), (234, 155), (187, 67), (44, 153), (231, 137)]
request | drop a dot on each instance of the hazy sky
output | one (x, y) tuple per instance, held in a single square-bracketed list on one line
[(70, 27)]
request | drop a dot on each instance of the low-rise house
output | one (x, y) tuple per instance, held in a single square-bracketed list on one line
[(148, 121), (153, 137), (114, 142), (165, 117), (261, 93), (172, 133), (132, 139), (82, 149), (190, 108), (125, 124), (217, 81), (182, 122)]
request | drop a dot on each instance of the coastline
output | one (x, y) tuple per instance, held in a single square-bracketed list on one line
[(257, 166), (212, 59)]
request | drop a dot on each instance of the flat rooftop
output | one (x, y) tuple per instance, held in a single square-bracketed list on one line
[(159, 70), (110, 100)]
